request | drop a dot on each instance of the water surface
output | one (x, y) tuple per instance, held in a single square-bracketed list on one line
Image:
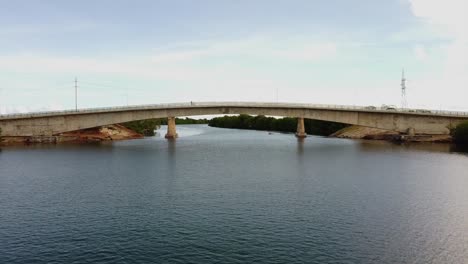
[(231, 196)]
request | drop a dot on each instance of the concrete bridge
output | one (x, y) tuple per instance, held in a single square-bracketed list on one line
[(406, 121)]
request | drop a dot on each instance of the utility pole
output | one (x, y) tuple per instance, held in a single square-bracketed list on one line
[(404, 102), (76, 94)]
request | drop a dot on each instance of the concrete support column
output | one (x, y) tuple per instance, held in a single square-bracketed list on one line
[(300, 133), (411, 132), (171, 128)]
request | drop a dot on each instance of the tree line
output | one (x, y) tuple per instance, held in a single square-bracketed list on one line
[(148, 127), (286, 124), (460, 134)]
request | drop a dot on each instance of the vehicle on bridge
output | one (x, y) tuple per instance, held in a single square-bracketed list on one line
[(388, 107), (370, 107)]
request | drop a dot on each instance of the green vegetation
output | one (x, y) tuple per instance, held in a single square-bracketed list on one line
[(187, 121), (144, 127), (460, 133), (147, 127), (287, 124)]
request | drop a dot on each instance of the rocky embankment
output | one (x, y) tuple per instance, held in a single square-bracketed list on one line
[(105, 133), (359, 132), (112, 132)]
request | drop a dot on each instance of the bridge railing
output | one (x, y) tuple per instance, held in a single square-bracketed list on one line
[(386, 109)]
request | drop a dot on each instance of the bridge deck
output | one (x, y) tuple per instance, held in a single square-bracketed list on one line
[(369, 109)]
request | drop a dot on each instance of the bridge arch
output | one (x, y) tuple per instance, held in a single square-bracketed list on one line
[(53, 123)]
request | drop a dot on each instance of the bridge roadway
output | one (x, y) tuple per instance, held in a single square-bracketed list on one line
[(401, 120)]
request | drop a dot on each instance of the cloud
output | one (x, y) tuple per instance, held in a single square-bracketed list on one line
[(29, 63), (176, 65), (227, 70), (257, 48), (28, 29), (420, 52), (311, 52), (450, 15)]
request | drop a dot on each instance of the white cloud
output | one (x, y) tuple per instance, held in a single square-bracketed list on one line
[(451, 87), (420, 52), (206, 71), (78, 65), (309, 52), (450, 13), (185, 65), (261, 48)]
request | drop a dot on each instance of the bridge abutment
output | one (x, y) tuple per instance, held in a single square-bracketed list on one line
[(300, 133), (171, 128)]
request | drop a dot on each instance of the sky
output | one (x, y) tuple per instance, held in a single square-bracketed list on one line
[(125, 52)]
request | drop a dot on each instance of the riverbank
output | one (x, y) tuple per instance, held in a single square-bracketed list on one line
[(367, 133), (321, 128), (131, 130), (106, 133), (139, 129)]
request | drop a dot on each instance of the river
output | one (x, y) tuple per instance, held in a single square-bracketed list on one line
[(231, 196)]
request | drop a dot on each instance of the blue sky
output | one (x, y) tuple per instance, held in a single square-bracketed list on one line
[(144, 52)]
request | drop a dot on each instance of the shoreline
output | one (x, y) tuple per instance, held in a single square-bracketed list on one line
[(366, 133), (119, 133), (99, 134)]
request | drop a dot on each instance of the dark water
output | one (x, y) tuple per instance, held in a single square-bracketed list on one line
[(229, 196)]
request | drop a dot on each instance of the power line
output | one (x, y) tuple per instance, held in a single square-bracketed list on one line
[(98, 85)]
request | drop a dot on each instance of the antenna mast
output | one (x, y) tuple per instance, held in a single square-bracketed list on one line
[(404, 102)]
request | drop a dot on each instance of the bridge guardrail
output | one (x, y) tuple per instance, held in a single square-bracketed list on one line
[(240, 104)]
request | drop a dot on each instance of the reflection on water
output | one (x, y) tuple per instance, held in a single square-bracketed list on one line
[(218, 195), (377, 145), (183, 130), (300, 146), (459, 148)]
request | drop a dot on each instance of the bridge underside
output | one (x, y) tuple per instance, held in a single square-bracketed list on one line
[(49, 125)]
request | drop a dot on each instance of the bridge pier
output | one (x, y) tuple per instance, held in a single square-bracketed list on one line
[(411, 132), (171, 128), (300, 133)]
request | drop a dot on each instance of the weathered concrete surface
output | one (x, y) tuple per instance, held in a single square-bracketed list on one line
[(105, 133), (300, 133), (53, 123), (359, 132), (171, 128), (110, 132)]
